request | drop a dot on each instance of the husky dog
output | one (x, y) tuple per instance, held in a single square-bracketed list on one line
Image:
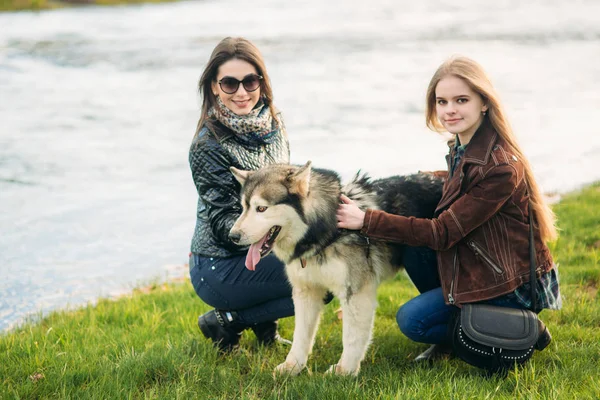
[(292, 211)]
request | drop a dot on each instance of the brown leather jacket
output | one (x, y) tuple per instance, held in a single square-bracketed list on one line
[(481, 228)]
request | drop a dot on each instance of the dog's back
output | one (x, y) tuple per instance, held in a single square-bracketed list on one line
[(415, 195)]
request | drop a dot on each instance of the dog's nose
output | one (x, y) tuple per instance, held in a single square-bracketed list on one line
[(235, 237)]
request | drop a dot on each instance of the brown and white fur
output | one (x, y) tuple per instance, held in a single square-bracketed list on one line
[(292, 211)]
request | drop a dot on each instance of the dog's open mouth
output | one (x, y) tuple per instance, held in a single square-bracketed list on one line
[(261, 248), (268, 240)]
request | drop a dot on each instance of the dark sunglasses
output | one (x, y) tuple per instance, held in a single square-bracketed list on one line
[(231, 85)]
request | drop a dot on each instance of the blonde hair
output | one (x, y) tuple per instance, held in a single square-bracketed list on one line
[(474, 75), (227, 49)]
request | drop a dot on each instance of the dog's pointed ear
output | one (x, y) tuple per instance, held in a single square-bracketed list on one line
[(239, 175), (300, 180)]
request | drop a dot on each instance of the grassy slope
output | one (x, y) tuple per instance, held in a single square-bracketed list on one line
[(20, 5), (147, 345)]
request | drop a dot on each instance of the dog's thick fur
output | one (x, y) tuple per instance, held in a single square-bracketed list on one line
[(303, 203)]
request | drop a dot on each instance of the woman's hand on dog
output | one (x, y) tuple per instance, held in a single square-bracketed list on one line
[(349, 216)]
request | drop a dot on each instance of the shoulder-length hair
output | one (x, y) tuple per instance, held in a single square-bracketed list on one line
[(227, 49), (474, 75)]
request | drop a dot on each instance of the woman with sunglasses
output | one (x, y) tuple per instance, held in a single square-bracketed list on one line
[(239, 126)]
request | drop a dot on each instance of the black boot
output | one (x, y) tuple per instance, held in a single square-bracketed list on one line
[(222, 327), (266, 333), (545, 338)]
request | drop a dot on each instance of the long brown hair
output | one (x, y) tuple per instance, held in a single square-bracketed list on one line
[(227, 49), (474, 75)]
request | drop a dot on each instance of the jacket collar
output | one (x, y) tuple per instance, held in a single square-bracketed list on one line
[(481, 145)]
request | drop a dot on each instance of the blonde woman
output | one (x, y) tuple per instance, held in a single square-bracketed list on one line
[(477, 246)]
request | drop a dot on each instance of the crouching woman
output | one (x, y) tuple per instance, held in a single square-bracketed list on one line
[(480, 233)]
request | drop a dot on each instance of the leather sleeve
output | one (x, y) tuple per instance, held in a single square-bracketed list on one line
[(469, 211), (217, 188)]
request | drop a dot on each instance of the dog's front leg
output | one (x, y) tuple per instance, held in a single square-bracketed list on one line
[(358, 316), (308, 303)]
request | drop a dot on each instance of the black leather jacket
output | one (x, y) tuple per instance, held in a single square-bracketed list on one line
[(212, 152)]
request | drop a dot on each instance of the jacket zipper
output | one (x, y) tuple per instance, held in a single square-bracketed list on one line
[(460, 185), (450, 296), (479, 251)]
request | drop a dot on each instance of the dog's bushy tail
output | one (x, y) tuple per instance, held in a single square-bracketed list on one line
[(361, 191)]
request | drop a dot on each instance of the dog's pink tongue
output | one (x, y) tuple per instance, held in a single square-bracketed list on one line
[(253, 256)]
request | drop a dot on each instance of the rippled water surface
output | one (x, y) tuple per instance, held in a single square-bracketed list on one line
[(98, 106)]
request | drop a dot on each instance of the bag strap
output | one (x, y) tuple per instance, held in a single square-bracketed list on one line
[(532, 274)]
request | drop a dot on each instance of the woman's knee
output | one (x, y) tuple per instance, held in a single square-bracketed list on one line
[(423, 316), (409, 322), (206, 289)]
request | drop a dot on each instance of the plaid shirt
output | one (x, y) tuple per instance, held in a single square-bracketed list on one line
[(547, 288), (459, 153), (547, 292)]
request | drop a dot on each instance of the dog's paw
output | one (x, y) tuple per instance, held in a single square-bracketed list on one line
[(287, 368), (336, 369)]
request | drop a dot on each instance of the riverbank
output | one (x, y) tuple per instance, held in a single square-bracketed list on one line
[(147, 345), (39, 5)]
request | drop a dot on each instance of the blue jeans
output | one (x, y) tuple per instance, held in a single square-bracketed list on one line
[(425, 318), (257, 296)]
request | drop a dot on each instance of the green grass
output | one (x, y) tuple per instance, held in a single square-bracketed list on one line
[(147, 345), (36, 5), (17, 5)]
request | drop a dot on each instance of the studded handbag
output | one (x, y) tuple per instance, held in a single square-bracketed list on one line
[(495, 338)]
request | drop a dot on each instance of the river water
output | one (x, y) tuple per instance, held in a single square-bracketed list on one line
[(98, 106)]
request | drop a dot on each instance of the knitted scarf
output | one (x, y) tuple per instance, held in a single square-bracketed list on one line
[(254, 129)]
